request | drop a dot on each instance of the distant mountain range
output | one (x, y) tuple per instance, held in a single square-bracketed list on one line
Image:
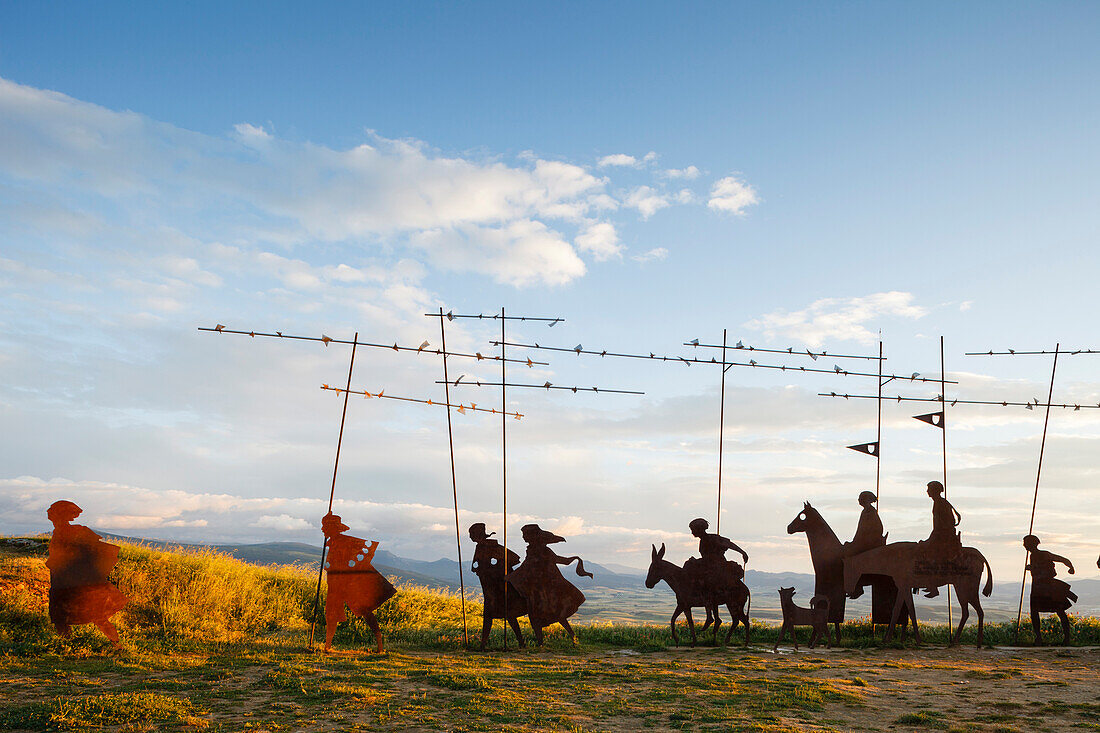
[(621, 590)]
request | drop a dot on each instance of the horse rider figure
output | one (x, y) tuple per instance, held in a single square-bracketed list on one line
[(1047, 592), (718, 573), (868, 534), (944, 543)]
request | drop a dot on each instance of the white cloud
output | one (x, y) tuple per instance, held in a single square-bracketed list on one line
[(617, 160), (838, 319), (655, 254), (690, 173), (646, 200), (965, 305), (732, 195), (283, 522), (600, 240)]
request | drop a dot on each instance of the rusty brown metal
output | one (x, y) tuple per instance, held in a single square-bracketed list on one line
[(490, 567), (816, 616), (1048, 594), (550, 598), (696, 587), (940, 560), (827, 554), (80, 563), (353, 583)]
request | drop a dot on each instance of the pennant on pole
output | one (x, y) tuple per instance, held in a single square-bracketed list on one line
[(870, 449), (934, 419)]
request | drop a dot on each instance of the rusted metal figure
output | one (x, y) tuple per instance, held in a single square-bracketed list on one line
[(488, 565), (940, 560), (816, 616), (352, 580), (827, 554), (691, 592), (722, 581), (80, 563), (1048, 594), (551, 599)]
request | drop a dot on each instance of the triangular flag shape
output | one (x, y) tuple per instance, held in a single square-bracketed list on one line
[(870, 449), (935, 419)]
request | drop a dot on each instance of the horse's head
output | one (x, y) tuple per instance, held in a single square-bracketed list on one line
[(803, 520), (655, 575)]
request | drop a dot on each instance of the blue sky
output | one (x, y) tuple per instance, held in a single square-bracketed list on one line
[(801, 175)]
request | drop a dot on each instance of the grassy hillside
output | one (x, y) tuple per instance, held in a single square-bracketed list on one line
[(214, 643)]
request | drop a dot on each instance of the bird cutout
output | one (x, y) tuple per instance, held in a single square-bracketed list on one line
[(381, 393), (553, 323), (547, 385), (713, 360), (595, 389), (366, 395), (739, 345), (460, 378), (325, 339), (811, 354), (574, 390), (473, 405), (790, 350), (219, 328), (493, 410), (954, 402), (325, 386), (422, 347), (695, 342), (537, 345), (1012, 351), (461, 410), (478, 355), (913, 376), (395, 346), (837, 369), (603, 353), (685, 361), (450, 315), (252, 334), (478, 382), (279, 334), (518, 416), (578, 348), (1076, 408), (752, 362), (530, 364), (782, 368), (1036, 401), (651, 355), (1004, 404), (1028, 406), (429, 400)]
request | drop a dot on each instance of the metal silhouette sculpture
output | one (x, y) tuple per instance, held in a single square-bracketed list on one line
[(353, 583), (488, 565), (551, 599), (816, 616), (692, 591), (1048, 594), (80, 563), (827, 554), (722, 580), (940, 560)]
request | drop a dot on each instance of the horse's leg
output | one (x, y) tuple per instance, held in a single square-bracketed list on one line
[(514, 623), (708, 622), (672, 623), (691, 624), (486, 627), (733, 621), (898, 602), (964, 611), (1061, 615), (977, 603), (1035, 624), (913, 612), (836, 624), (538, 633), (372, 621)]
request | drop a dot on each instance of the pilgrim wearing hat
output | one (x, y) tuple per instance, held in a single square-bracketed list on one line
[(488, 565), (551, 599), (1048, 593), (944, 517), (79, 563), (352, 581), (868, 534)]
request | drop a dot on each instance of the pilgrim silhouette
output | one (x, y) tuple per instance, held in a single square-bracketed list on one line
[(79, 563), (488, 565), (1048, 594), (550, 597), (352, 581), (944, 543)]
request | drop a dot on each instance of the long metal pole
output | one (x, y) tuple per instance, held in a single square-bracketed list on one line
[(332, 494), (454, 480), (878, 430), (943, 431), (1035, 498), (504, 466), (721, 435)]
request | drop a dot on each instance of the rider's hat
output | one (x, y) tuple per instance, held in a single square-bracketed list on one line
[(866, 496), (534, 534), (331, 524), (477, 532), (64, 510)]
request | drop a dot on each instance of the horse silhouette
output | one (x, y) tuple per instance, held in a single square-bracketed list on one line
[(692, 592), (827, 556), (912, 565)]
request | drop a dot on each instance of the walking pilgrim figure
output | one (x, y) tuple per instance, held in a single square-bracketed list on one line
[(352, 580), (551, 599), (80, 563), (1048, 594), (488, 566)]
